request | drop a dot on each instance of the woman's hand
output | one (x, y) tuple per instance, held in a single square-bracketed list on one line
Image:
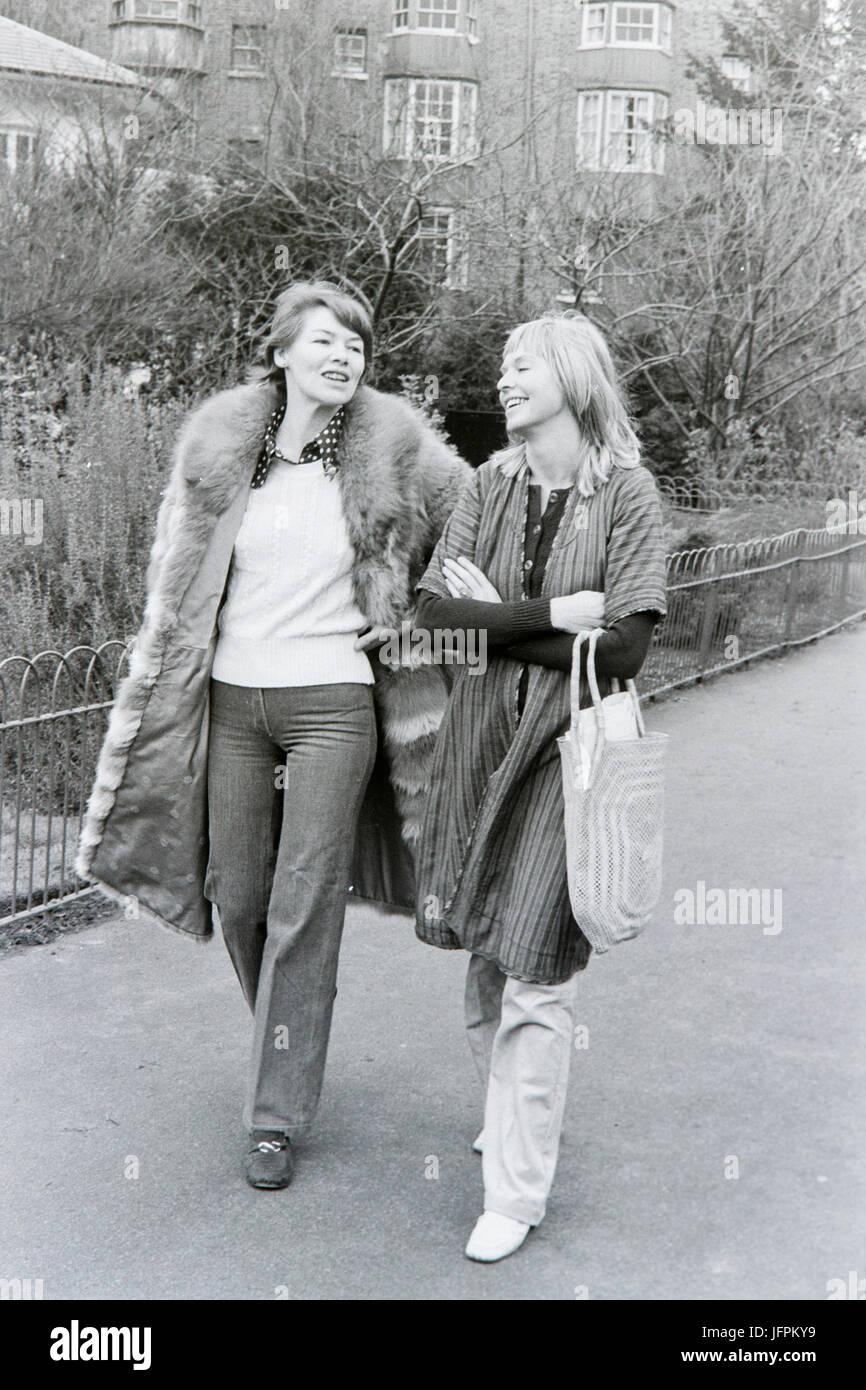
[(466, 580), (577, 612), (374, 638)]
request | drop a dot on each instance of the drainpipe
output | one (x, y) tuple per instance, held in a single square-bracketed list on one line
[(528, 108)]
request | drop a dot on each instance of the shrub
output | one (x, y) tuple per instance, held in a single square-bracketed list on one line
[(98, 471)]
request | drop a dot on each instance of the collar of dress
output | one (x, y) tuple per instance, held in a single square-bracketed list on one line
[(325, 446)]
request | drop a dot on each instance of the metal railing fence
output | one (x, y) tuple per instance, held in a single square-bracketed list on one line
[(694, 494), (727, 605)]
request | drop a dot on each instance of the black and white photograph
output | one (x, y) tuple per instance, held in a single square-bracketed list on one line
[(432, 668)]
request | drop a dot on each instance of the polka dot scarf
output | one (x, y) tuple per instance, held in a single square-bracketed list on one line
[(325, 446)]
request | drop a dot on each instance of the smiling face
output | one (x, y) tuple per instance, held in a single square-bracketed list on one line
[(529, 391), (325, 360)]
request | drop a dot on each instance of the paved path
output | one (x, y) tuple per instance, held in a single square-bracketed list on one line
[(711, 1049)]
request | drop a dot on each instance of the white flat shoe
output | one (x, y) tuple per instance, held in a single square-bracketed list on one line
[(478, 1146), (495, 1236)]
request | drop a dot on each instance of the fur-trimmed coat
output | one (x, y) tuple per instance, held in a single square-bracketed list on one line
[(145, 831)]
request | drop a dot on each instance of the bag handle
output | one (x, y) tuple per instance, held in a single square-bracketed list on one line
[(592, 636)]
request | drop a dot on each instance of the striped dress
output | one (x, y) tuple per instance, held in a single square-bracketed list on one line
[(491, 870)]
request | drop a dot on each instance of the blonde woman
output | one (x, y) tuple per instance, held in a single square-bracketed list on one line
[(558, 532)]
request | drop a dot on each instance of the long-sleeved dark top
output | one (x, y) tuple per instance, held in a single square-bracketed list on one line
[(526, 633), (524, 629)]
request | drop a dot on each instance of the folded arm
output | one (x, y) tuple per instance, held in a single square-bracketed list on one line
[(524, 632)]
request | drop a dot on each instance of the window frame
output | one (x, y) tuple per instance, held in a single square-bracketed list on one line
[(587, 10), (455, 9), (400, 133), (406, 18), (184, 11), (743, 81), (662, 32), (339, 68), (601, 160), (252, 70), (140, 10), (13, 135), (455, 265)]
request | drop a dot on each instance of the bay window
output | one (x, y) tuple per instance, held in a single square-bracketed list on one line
[(626, 26), (430, 118), (435, 17), (615, 131)]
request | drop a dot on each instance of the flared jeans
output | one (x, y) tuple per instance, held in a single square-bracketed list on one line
[(287, 772), (521, 1036)]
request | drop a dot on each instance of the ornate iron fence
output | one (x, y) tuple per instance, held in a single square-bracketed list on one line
[(53, 715), (727, 605), (730, 604), (693, 494)]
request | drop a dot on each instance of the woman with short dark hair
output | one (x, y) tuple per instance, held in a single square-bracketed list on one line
[(259, 733)]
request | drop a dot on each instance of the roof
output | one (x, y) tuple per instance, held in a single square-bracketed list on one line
[(27, 50)]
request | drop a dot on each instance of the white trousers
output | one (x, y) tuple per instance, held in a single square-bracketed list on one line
[(521, 1039)]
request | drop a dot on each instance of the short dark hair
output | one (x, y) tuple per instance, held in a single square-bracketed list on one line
[(352, 310)]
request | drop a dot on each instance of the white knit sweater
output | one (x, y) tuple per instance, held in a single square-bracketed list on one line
[(289, 616)]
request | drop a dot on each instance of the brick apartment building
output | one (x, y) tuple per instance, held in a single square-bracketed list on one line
[(550, 87), (454, 66)]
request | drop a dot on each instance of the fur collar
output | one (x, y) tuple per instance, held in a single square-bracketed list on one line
[(386, 495), (220, 441)]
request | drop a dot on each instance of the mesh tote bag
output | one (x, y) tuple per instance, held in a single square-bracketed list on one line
[(614, 808)]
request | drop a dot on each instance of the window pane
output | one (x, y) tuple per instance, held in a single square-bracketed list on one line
[(595, 21), (396, 108), (400, 15), (468, 119), (434, 117), (659, 107), (629, 144), (438, 14), (664, 27), (157, 9), (588, 126), (634, 23), (248, 43), (350, 50), (435, 232), (738, 71), (441, 256), (472, 16)]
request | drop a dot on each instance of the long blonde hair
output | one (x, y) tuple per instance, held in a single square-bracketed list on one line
[(579, 358)]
